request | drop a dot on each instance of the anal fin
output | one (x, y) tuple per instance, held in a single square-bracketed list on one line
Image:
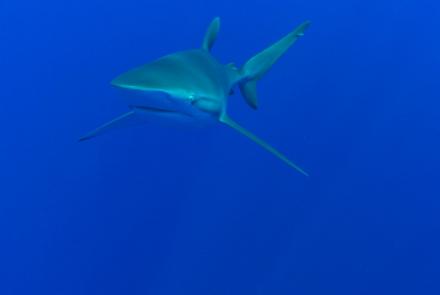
[(231, 123)]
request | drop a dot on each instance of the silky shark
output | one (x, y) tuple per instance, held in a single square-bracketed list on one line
[(193, 86)]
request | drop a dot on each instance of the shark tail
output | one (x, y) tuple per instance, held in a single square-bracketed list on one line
[(225, 119), (259, 64)]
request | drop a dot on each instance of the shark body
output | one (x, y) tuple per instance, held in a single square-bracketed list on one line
[(194, 86)]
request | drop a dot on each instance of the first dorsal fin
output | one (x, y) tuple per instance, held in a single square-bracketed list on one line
[(211, 34)]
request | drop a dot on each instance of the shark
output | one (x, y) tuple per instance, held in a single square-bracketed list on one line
[(193, 86)]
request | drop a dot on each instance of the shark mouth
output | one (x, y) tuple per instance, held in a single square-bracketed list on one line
[(158, 110), (163, 115)]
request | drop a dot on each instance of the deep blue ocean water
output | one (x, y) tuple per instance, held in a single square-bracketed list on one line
[(155, 210)]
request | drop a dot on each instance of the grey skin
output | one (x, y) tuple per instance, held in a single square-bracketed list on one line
[(193, 86)]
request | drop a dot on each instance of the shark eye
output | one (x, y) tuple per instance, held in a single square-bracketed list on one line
[(192, 98)]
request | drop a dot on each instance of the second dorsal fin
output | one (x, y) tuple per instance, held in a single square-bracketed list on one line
[(211, 34)]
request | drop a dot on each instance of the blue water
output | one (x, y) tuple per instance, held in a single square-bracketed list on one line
[(180, 210)]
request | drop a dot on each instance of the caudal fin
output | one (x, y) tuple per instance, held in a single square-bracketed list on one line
[(231, 123), (259, 64)]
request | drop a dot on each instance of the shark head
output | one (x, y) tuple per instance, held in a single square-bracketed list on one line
[(189, 83)]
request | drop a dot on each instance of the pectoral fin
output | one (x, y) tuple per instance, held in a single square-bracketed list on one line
[(118, 121), (229, 122)]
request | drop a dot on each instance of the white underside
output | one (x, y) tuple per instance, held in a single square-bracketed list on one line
[(162, 107)]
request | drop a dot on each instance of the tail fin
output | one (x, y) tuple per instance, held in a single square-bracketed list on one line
[(231, 123), (259, 64)]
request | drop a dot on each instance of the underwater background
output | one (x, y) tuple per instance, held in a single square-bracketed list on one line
[(178, 210)]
